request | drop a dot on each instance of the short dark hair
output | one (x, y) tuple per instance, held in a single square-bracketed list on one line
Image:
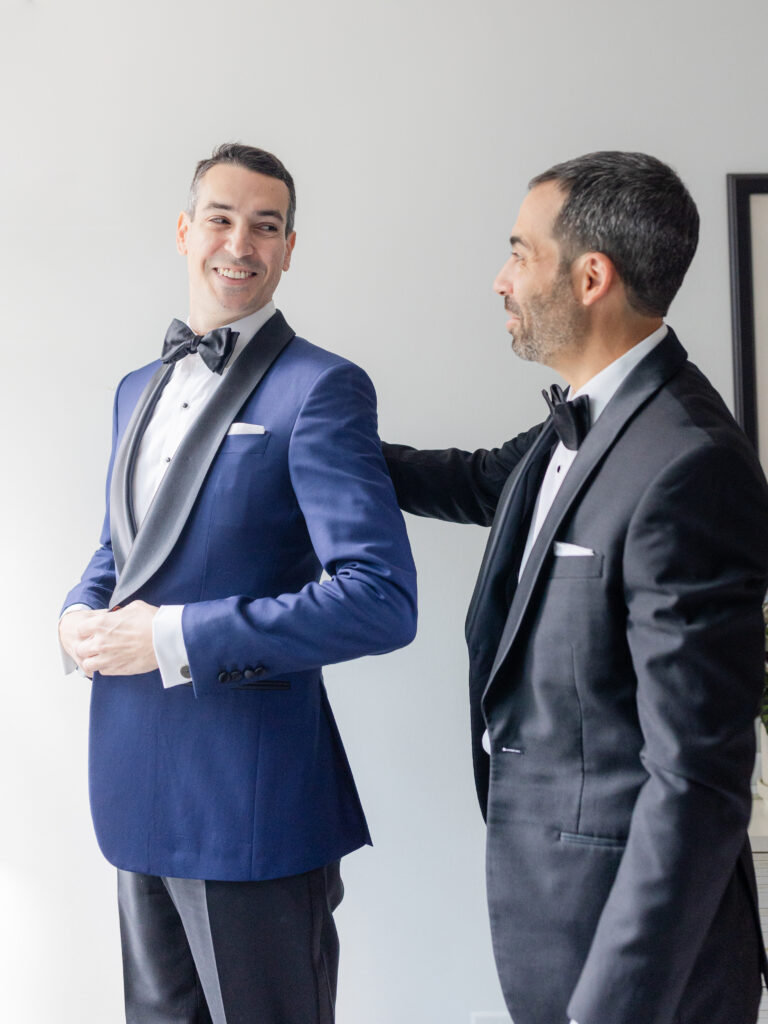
[(635, 210), (253, 159)]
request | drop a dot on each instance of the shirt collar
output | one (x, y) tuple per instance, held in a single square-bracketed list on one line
[(246, 328), (604, 385)]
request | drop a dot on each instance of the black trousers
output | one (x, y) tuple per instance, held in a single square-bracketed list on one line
[(206, 952)]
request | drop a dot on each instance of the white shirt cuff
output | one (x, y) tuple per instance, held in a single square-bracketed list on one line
[(68, 663), (170, 649)]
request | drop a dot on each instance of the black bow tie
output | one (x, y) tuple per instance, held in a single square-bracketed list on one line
[(571, 419), (215, 347)]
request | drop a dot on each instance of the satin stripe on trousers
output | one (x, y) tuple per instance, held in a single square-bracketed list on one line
[(207, 952)]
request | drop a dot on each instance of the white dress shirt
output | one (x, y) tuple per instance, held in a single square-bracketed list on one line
[(184, 397), (600, 389)]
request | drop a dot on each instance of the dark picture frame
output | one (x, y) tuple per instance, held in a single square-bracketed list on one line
[(746, 385)]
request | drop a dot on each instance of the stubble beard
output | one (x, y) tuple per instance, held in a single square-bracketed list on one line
[(549, 323)]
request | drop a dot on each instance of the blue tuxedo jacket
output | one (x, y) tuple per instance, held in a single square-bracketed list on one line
[(242, 774)]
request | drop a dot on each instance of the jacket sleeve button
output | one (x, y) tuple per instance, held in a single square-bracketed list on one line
[(236, 676), (223, 677)]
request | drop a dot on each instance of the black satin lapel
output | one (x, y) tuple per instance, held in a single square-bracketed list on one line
[(515, 500), (122, 525), (181, 484), (644, 381)]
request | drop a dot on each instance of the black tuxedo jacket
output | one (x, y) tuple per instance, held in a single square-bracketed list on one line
[(619, 688)]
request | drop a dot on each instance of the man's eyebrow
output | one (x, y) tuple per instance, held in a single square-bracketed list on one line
[(213, 205), (269, 213), (517, 240)]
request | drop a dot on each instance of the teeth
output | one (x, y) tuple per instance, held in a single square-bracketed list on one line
[(237, 275)]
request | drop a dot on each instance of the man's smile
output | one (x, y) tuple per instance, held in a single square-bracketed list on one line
[(233, 274)]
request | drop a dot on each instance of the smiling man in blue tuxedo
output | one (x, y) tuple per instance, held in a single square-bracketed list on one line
[(615, 634), (244, 463)]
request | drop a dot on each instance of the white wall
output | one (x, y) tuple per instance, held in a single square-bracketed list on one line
[(411, 129)]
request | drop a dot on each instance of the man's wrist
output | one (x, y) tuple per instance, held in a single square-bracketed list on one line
[(170, 649), (75, 608), (68, 663)]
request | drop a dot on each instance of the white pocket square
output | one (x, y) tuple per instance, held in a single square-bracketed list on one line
[(246, 428), (563, 550)]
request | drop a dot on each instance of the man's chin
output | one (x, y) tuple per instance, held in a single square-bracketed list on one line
[(523, 349), (235, 307)]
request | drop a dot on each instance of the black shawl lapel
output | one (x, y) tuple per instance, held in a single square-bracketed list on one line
[(122, 524), (499, 559), (181, 484), (644, 381)]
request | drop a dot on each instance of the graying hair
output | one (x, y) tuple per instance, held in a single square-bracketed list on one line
[(635, 210)]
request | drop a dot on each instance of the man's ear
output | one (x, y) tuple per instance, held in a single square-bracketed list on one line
[(593, 277), (289, 244), (182, 227)]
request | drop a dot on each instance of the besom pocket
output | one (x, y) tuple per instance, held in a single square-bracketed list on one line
[(576, 566), (582, 839), (245, 444)]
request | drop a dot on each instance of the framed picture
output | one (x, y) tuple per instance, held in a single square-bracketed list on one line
[(748, 229)]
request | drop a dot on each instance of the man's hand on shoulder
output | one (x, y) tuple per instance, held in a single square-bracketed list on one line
[(116, 643)]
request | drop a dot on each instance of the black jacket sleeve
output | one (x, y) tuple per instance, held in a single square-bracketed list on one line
[(451, 484)]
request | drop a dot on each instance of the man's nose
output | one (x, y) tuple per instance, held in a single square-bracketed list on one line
[(240, 242), (503, 283)]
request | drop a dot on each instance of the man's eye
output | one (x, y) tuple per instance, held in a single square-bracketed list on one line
[(268, 228), (219, 220)]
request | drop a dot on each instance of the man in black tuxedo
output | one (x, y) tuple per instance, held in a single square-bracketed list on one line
[(615, 633)]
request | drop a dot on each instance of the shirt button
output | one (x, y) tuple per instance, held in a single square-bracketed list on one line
[(167, 458), (185, 405)]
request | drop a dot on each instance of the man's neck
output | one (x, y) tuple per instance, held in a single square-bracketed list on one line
[(250, 320), (202, 324), (602, 347)]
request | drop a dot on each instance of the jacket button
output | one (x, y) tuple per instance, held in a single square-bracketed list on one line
[(236, 676), (223, 677)]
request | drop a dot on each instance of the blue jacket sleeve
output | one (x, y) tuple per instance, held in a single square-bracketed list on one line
[(368, 606), (98, 580)]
